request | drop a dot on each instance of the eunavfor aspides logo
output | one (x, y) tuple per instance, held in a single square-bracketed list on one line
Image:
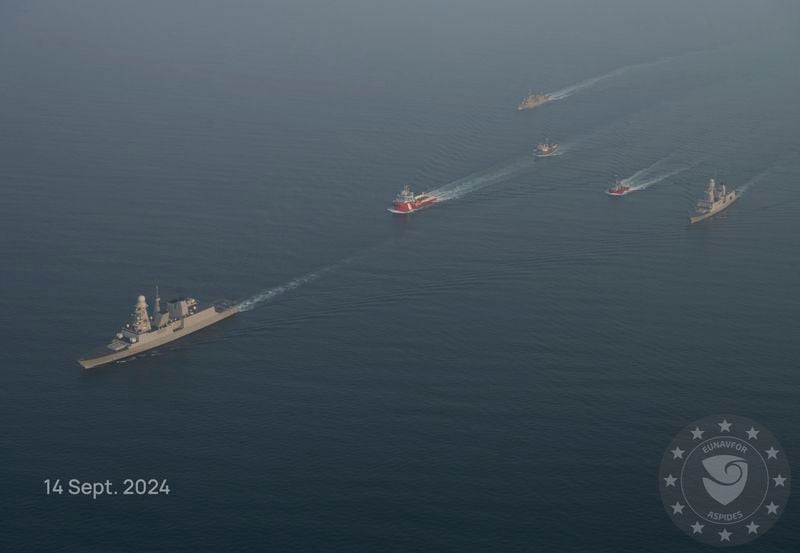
[(724, 480)]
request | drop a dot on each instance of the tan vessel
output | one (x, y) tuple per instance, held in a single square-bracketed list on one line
[(546, 149), (182, 317), (533, 101), (716, 199)]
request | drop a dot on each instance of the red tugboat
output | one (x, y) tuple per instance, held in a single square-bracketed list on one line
[(619, 189), (408, 202)]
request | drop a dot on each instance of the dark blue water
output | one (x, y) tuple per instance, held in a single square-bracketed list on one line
[(500, 372)]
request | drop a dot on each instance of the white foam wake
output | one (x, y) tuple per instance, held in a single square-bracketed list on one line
[(465, 185), (270, 293), (266, 295), (660, 170), (568, 91), (756, 179), (645, 178)]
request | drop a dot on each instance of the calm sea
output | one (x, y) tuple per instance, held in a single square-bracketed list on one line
[(501, 372)]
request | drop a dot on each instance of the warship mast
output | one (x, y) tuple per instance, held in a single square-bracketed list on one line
[(157, 303), (141, 320)]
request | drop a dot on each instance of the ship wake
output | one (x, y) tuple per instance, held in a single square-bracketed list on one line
[(756, 179), (482, 179), (270, 293), (641, 180), (659, 171), (568, 91)]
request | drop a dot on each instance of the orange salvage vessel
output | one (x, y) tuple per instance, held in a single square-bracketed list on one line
[(408, 202), (619, 189)]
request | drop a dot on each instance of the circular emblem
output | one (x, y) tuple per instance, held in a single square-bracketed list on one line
[(724, 480)]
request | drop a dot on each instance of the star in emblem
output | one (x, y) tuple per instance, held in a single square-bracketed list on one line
[(779, 480), (724, 426), (697, 528), (677, 453), (772, 453), (697, 434), (725, 535), (752, 528), (772, 509), (678, 508), (670, 480), (752, 434)]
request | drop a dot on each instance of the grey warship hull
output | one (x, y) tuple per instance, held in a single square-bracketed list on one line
[(533, 101), (120, 349), (701, 216), (531, 105)]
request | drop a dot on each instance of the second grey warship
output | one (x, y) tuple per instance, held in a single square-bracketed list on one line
[(182, 317), (716, 199), (533, 101)]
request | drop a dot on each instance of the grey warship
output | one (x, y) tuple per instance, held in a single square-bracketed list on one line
[(533, 101), (182, 317), (716, 199)]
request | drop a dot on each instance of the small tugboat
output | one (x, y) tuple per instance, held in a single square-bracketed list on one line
[(545, 149), (619, 189), (408, 202), (533, 101), (717, 198)]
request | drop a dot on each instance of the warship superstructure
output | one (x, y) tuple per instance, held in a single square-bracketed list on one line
[(546, 149), (182, 317), (717, 198), (408, 202), (533, 101)]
